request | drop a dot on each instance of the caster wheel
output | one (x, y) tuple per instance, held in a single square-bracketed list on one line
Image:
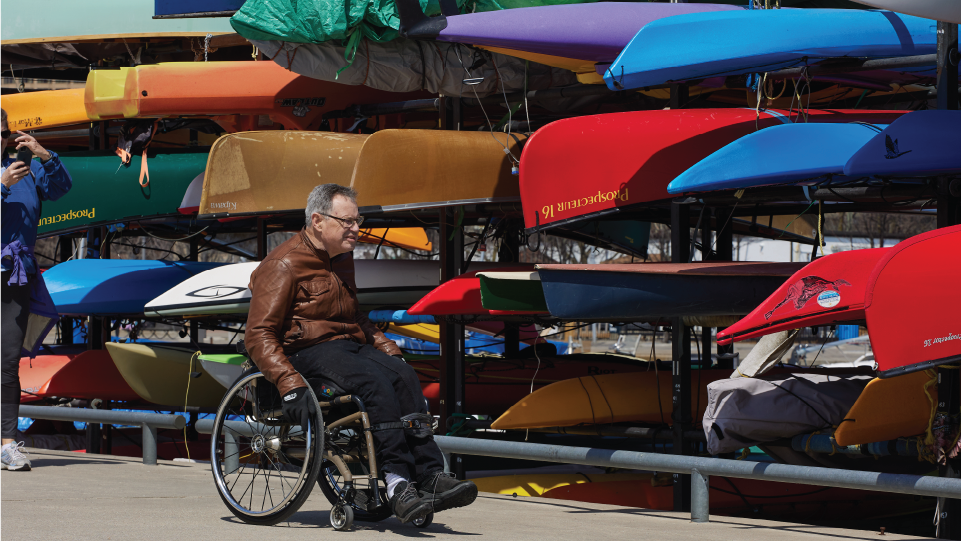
[(341, 517), (424, 522)]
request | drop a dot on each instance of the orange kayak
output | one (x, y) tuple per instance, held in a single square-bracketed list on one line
[(213, 89), (89, 374), (45, 109)]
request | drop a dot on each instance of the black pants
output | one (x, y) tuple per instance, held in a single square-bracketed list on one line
[(13, 325), (389, 389)]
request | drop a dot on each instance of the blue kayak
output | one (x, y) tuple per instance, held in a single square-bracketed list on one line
[(701, 45), (786, 154), (919, 144), (83, 287)]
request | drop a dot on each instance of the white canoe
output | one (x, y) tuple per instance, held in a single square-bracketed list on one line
[(938, 10)]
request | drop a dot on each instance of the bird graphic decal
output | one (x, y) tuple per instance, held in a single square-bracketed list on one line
[(891, 146), (806, 289)]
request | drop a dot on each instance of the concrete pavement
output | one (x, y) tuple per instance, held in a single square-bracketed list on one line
[(78, 496)]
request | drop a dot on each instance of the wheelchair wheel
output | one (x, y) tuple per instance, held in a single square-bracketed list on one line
[(332, 485), (263, 466), (341, 517), (424, 522)]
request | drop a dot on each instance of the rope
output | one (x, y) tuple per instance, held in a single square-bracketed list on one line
[(190, 369), (820, 220)]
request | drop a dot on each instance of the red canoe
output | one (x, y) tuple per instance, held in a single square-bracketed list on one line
[(591, 165), (89, 374), (461, 296), (827, 291), (913, 303)]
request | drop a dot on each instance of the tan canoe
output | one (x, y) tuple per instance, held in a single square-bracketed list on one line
[(274, 171)]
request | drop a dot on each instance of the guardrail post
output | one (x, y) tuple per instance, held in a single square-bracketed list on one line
[(149, 444), (700, 497), (231, 454)]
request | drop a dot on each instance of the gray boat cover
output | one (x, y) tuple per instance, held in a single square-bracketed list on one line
[(404, 65), (749, 411)]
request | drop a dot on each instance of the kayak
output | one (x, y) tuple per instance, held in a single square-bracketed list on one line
[(45, 109), (105, 20), (701, 45), (769, 157), (652, 291), (461, 296), (638, 397), (939, 10), (96, 173), (514, 291), (538, 484), (381, 283), (876, 417), (390, 170), (603, 163), (570, 36), (919, 144), (85, 374), (923, 268), (225, 368), (160, 373), (114, 286), (214, 89), (828, 291)]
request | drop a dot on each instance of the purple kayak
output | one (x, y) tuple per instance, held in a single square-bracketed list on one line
[(594, 32)]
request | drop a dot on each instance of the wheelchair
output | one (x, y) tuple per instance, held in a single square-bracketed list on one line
[(265, 467)]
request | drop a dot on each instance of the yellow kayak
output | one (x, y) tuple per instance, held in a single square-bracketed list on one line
[(160, 374), (536, 484)]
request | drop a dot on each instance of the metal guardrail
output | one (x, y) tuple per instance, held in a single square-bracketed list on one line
[(149, 421), (702, 468)]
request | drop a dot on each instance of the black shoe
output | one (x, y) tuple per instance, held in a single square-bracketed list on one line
[(445, 492), (407, 505)]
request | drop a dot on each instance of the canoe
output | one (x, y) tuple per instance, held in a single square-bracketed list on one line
[(225, 368), (410, 238), (651, 291), (876, 417), (639, 397), (84, 374), (919, 144), (916, 282), (537, 484), (603, 163), (770, 157), (160, 374), (105, 20), (459, 296), (827, 291), (381, 283), (712, 44), (45, 109), (751, 498), (948, 11), (114, 286), (212, 89), (96, 174), (391, 170), (196, 8), (514, 291)]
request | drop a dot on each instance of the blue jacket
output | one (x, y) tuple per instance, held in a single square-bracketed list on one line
[(21, 204)]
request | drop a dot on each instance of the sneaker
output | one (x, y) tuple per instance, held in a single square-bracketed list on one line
[(444, 492), (12, 459), (407, 505)]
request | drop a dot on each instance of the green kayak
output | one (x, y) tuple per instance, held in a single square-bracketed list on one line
[(224, 367), (103, 194), (512, 291)]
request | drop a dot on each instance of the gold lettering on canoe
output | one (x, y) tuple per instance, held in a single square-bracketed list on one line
[(548, 211)]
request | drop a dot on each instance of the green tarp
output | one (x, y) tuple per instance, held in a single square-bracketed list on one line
[(319, 21), (102, 194)]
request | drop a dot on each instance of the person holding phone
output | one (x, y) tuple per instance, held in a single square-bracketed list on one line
[(26, 183)]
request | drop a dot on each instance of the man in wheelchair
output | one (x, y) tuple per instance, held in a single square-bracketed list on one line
[(304, 324)]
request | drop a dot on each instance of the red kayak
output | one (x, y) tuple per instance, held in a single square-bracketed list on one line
[(494, 384), (89, 374), (827, 291), (591, 165), (462, 296)]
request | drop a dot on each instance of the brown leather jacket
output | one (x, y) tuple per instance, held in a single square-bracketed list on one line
[(302, 297)]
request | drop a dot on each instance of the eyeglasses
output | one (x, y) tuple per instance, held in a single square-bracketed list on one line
[(6, 134), (346, 222)]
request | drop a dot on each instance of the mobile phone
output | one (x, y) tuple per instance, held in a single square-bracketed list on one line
[(24, 155)]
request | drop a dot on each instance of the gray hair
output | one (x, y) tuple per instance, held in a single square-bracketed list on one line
[(322, 197)]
